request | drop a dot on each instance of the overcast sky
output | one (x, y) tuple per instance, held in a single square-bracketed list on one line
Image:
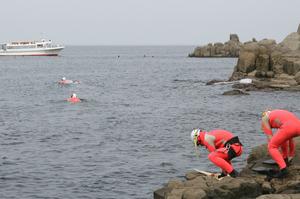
[(147, 22)]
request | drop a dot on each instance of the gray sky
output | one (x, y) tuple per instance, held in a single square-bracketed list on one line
[(147, 22)]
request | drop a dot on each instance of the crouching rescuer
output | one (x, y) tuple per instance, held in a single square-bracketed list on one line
[(223, 147)]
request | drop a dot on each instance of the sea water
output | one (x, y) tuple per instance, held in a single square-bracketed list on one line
[(131, 133)]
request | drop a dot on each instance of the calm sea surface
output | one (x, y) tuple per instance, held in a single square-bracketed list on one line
[(130, 135)]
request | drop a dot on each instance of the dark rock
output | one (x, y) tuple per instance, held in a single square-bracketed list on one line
[(260, 74), (234, 37), (235, 92), (211, 82), (298, 31), (245, 87)]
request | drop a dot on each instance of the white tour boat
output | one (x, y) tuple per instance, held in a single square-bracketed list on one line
[(30, 48)]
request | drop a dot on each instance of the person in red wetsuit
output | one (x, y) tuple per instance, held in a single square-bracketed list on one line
[(288, 126), (65, 81), (223, 147), (73, 98)]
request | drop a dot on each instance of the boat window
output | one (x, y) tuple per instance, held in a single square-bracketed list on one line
[(40, 45)]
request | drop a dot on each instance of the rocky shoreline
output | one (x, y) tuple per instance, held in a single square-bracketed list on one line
[(271, 66), (250, 185)]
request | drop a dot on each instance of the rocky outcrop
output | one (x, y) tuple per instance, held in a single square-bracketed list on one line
[(236, 92), (277, 65), (230, 48), (249, 185)]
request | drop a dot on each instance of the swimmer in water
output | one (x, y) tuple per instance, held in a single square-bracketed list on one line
[(73, 98), (65, 81)]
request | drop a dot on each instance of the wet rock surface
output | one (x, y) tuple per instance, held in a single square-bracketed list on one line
[(236, 92), (250, 184)]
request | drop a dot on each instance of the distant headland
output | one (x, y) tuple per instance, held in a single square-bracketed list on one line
[(230, 48)]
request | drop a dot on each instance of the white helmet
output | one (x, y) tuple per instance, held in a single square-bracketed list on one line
[(74, 95), (194, 136), (63, 78), (266, 113)]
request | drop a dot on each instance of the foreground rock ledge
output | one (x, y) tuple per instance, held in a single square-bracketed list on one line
[(250, 185)]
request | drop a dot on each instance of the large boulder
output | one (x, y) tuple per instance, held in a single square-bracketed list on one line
[(234, 37), (263, 62), (268, 43), (246, 62), (292, 41), (291, 66), (247, 59)]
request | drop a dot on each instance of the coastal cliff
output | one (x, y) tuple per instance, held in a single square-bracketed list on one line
[(250, 185), (270, 65)]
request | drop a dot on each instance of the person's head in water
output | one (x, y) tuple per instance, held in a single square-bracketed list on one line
[(63, 79), (73, 95)]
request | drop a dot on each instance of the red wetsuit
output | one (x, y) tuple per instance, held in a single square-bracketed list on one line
[(288, 126), (67, 81), (215, 141), (276, 123), (74, 99)]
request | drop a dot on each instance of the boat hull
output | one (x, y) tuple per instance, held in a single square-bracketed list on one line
[(32, 52)]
